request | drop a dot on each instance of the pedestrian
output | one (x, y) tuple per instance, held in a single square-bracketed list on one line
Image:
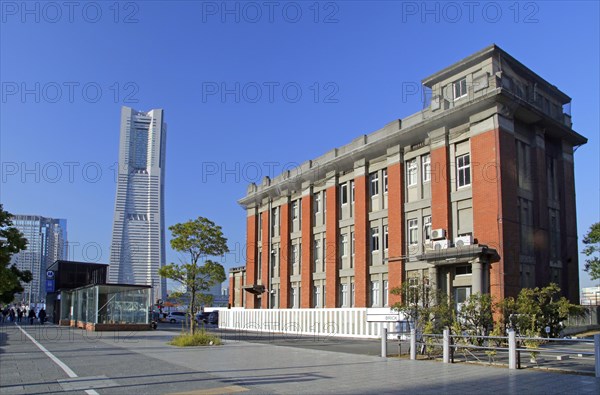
[(19, 314), (11, 315), (4, 314), (31, 316), (42, 316)]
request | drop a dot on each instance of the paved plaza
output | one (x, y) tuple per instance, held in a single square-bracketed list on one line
[(81, 362)]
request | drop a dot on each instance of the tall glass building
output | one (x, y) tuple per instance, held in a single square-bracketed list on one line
[(46, 243), (138, 238)]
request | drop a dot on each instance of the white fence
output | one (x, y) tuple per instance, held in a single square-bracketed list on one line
[(342, 322)]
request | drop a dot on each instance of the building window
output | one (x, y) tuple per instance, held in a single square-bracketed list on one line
[(463, 270), (317, 296), (374, 184), (460, 88), (295, 209), (374, 239), (260, 225), (294, 297), (385, 181), (294, 252), (344, 246), (554, 234), (411, 172), (385, 237), (352, 295), (274, 263), (317, 255), (324, 249), (259, 265), (413, 231), (344, 295), (352, 242), (463, 171), (352, 191), (523, 165), (385, 293), (374, 293), (426, 168), (344, 193), (318, 202), (275, 218), (427, 227)]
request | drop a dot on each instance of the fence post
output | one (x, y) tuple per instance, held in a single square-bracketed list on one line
[(597, 354), (446, 346), (413, 344), (383, 342), (512, 350)]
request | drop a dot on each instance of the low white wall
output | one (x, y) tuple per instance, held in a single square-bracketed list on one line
[(344, 322)]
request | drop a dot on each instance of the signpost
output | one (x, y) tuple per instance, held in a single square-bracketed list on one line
[(382, 315)]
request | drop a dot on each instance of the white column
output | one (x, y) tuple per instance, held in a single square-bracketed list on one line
[(476, 282)]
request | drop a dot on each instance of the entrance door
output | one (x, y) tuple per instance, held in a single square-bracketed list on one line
[(461, 294)]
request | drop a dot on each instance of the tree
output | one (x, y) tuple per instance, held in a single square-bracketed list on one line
[(11, 242), (592, 250), (476, 315), (428, 310), (200, 238), (535, 309)]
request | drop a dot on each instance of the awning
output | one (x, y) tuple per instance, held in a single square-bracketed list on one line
[(254, 289), (453, 255)]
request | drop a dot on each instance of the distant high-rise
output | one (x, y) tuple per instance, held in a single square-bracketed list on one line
[(46, 243), (138, 238)]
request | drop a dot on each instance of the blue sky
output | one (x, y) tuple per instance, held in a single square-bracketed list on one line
[(311, 76)]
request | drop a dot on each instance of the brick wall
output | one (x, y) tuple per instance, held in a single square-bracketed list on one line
[(266, 252), (440, 190), (284, 254), (395, 229), (361, 239), (307, 252), (251, 250), (331, 233)]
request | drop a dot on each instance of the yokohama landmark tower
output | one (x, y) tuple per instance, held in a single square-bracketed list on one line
[(138, 238)]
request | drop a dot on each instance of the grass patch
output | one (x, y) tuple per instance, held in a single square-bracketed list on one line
[(200, 338)]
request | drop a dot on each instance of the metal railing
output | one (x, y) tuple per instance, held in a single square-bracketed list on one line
[(514, 346)]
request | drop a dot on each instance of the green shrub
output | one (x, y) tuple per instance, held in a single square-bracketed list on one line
[(200, 338)]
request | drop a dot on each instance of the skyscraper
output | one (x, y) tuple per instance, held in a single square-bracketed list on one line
[(46, 243), (138, 238)]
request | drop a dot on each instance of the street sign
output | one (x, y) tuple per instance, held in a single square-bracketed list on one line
[(49, 274), (382, 315), (50, 285)]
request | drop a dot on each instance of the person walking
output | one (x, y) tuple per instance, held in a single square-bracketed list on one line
[(31, 316), (42, 316), (11, 315), (19, 314), (4, 314)]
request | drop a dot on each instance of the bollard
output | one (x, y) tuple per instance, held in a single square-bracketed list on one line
[(597, 354), (413, 344), (446, 346), (384, 342), (512, 350)]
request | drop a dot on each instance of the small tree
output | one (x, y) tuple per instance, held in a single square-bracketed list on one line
[(476, 316), (592, 250), (200, 238), (11, 242), (428, 309), (535, 309)]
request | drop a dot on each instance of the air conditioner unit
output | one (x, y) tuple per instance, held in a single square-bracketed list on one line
[(463, 241), (440, 244), (437, 234)]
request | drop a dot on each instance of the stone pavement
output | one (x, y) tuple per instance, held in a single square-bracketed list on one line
[(142, 363)]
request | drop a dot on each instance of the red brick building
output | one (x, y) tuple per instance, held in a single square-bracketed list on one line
[(474, 194)]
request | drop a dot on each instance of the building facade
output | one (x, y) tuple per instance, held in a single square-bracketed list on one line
[(473, 194), (46, 243), (138, 238)]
